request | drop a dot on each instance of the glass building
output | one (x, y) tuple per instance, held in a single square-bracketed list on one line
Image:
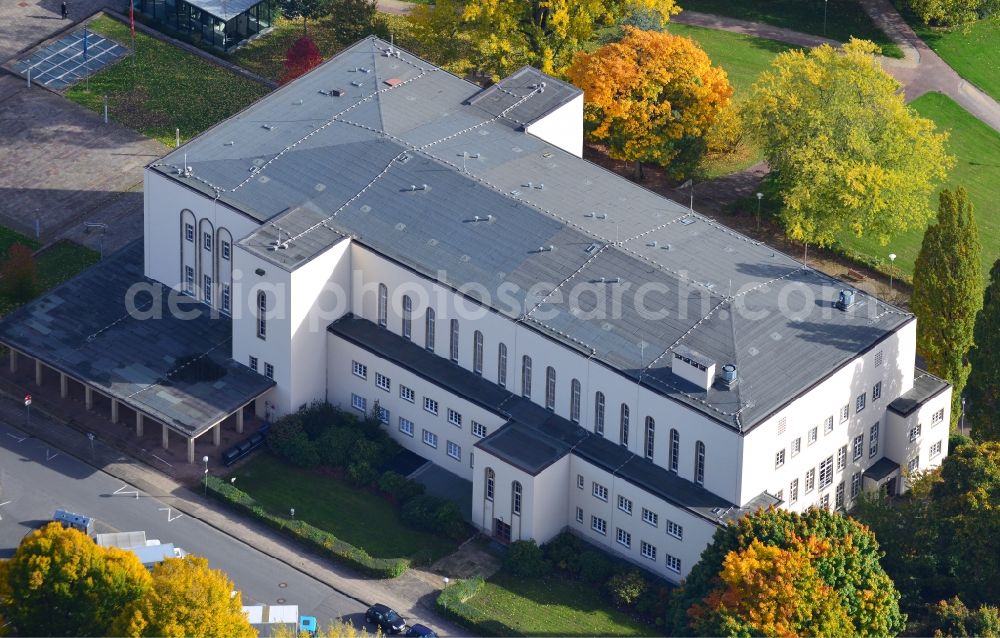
[(219, 23)]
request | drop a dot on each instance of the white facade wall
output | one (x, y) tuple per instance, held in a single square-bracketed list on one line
[(901, 449), (562, 127)]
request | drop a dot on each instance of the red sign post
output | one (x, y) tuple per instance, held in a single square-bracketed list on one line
[(27, 407)]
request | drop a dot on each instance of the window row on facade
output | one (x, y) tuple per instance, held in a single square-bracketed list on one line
[(623, 537)]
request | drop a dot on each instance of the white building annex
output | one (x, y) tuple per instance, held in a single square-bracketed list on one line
[(592, 356)]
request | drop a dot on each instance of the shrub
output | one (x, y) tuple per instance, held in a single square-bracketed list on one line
[(318, 418), (334, 445), (595, 567), (399, 488), (627, 586), (361, 473), (434, 514), (563, 552), (288, 440), (302, 56), (525, 558), (18, 276)]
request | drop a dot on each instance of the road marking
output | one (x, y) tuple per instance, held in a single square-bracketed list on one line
[(160, 460), (49, 457), (1, 505), (122, 491), (19, 439), (170, 517)]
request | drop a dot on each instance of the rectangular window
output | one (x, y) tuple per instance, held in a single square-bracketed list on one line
[(579, 481), (915, 433), (859, 403), (855, 485), (454, 418), (261, 315), (675, 530), (502, 367), (189, 232), (623, 537), (359, 403), (842, 458), (227, 299), (625, 504), (935, 450), (359, 369), (673, 563), (779, 458), (454, 451), (600, 491), (826, 472), (838, 501), (453, 345), (383, 415), (914, 464), (268, 370), (226, 250), (382, 381), (406, 426), (796, 446), (828, 425), (938, 417), (877, 391), (824, 501), (207, 241), (810, 480), (647, 550), (845, 412), (873, 441), (430, 439), (406, 394), (878, 359), (579, 515), (430, 405), (859, 446), (253, 363), (650, 517), (189, 280), (811, 436), (793, 491), (478, 429), (780, 495), (599, 525)]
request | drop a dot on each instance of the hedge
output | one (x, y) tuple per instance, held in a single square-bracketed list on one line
[(308, 535), (451, 603)]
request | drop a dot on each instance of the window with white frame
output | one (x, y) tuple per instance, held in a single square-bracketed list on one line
[(227, 298), (453, 343), (873, 441), (779, 458), (842, 458), (550, 388), (489, 484), (478, 429), (189, 280), (625, 504), (261, 315), (359, 369), (650, 437), (793, 491), (915, 432), (226, 250), (407, 317), (810, 480), (253, 363), (599, 413), (454, 450), (824, 501), (477, 352), (579, 515), (937, 417), (859, 446), (383, 381), (675, 530), (579, 481), (838, 501), (407, 394), (430, 405), (699, 463), (828, 425), (811, 436), (855, 485), (429, 328), (845, 412), (877, 391), (623, 428), (207, 288), (574, 400), (599, 525), (383, 414), (526, 377), (502, 365), (430, 438), (647, 550), (935, 450), (268, 370), (675, 450), (878, 358), (796, 446), (859, 403), (673, 563), (914, 464), (826, 472), (780, 496), (383, 306), (624, 538), (406, 426), (651, 517), (454, 418), (600, 491), (359, 403), (207, 241), (189, 232)]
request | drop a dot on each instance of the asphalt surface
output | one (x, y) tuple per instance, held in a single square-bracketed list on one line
[(36, 479)]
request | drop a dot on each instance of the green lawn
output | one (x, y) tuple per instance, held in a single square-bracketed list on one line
[(977, 148), (161, 87), (553, 607), (266, 56), (355, 515), (844, 18), (59, 262), (974, 54)]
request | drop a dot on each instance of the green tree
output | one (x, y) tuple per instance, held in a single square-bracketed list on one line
[(305, 9), (846, 153), (187, 599), (983, 389), (19, 276), (353, 19), (953, 618), (60, 583), (848, 564), (950, 13), (947, 292), (440, 31)]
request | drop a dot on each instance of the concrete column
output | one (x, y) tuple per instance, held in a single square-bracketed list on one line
[(63, 385), (88, 397), (166, 436), (38, 372), (239, 421), (190, 449), (13, 361), (217, 434), (114, 410), (138, 424)]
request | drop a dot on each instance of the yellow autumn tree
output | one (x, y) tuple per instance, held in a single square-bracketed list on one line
[(846, 153), (187, 599), (651, 97), (765, 590)]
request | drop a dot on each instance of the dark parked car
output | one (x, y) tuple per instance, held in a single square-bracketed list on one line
[(420, 631), (386, 618)]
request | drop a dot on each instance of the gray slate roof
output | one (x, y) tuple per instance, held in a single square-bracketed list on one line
[(506, 98), (925, 387), (534, 438), (84, 328), (407, 167)]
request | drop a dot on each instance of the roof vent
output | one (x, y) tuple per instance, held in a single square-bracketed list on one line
[(545, 249), (845, 300), (393, 82), (728, 377), (693, 366), (591, 248), (269, 127), (356, 83), (337, 92)]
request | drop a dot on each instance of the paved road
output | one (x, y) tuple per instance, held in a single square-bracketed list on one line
[(35, 479)]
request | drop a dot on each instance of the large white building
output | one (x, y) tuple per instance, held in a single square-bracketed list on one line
[(590, 355)]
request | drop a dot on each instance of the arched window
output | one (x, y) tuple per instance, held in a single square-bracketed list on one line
[(261, 315), (623, 430), (453, 346), (675, 450), (526, 377), (383, 305), (477, 352), (515, 498), (550, 388), (429, 329), (599, 413), (574, 400), (490, 481), (699, 463), (502, 366), (650, 436), (407, 316)]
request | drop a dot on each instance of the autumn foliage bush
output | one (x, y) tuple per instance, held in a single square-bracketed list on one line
[(301, 58), (18, 275)]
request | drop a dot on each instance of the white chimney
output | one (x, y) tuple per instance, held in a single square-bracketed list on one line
[(694, 367)]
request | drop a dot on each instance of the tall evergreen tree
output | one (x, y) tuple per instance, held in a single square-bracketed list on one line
[(947, 292), (984, 380)]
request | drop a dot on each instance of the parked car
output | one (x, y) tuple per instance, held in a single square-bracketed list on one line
[(386, 618), (420, 631)]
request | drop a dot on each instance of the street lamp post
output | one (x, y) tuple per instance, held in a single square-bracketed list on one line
[(205, 461), (760, 196), (825, 2), (892, 267), (961, 426)]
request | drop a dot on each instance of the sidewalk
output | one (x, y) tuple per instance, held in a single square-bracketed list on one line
[(413, 594)]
